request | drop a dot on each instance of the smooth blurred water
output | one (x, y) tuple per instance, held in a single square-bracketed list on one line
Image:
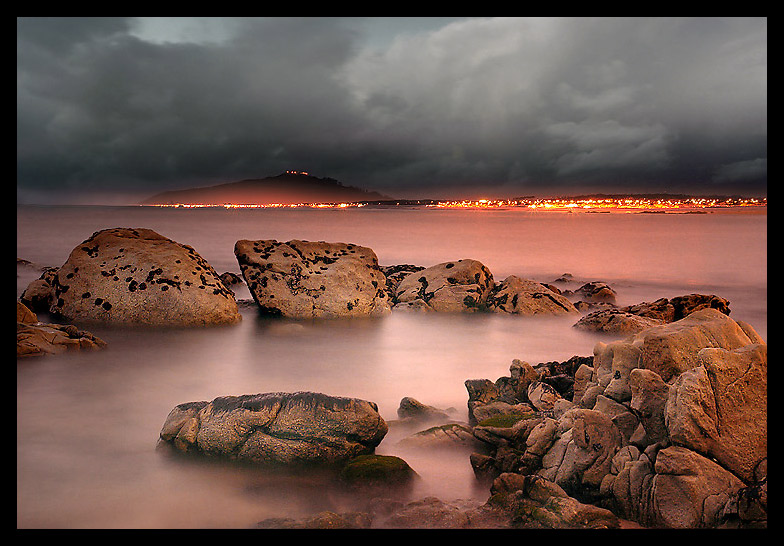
[(87, 423)]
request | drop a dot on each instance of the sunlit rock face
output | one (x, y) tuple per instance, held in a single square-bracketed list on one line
[(303, 279), (137, 276), (668, 426), (276, 428), (458, 286)]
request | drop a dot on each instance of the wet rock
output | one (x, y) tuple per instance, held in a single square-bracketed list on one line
[(276, 428), (595, 291), (433, 513), (302, 279), (136, 276), (412, 410), (326, 519), (34, 338), (450, 435), (378, 472), (536, 503)]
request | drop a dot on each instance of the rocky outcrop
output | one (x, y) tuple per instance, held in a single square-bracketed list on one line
[(276, 428), (136, 276), (34, 338), (536, 503), (459, 286), (526, 297), (719, 408), (667, 427), (302, 279), (671, 349), (638, 317)]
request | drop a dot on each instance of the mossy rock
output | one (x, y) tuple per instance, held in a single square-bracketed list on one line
[(377, 471)]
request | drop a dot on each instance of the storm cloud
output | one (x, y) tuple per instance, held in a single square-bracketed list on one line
[(126, 107)]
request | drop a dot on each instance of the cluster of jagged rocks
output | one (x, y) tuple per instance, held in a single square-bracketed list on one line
[(666, 428)]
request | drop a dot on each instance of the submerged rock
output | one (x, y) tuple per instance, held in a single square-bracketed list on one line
[(372, 472), (276, 428), (136, 276), (412, 410), (302, 279)]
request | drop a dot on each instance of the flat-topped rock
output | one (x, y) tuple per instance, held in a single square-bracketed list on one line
[(276, 428), (303, 279)]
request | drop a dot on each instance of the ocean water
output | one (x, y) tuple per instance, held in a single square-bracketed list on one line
[(88, 423)]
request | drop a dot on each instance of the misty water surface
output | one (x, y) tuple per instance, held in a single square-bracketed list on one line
[(87, 424)]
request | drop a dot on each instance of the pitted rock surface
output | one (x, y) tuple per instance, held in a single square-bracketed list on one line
[(303, 279), (526, 297), (135, 275), (458, 286)]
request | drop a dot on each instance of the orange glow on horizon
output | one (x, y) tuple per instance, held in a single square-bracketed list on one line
[(562, 204)]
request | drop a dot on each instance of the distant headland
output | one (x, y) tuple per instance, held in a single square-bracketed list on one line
[(300, 189), (290, 187)]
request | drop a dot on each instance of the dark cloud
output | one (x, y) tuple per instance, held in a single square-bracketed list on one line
[(515, 106)]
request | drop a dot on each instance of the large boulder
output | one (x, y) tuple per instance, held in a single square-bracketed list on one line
[(136, 276), (720, 408), (303, 279), (688, 490), (526, 297), (459, 286), (671, 349), (276, 428)]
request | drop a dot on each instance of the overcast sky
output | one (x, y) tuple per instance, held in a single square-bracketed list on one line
[(122, 108)]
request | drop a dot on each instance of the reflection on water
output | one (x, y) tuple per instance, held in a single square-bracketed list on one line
[(87, 424)]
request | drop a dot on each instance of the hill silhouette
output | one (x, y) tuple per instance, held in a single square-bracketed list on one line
[(286, 188)]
